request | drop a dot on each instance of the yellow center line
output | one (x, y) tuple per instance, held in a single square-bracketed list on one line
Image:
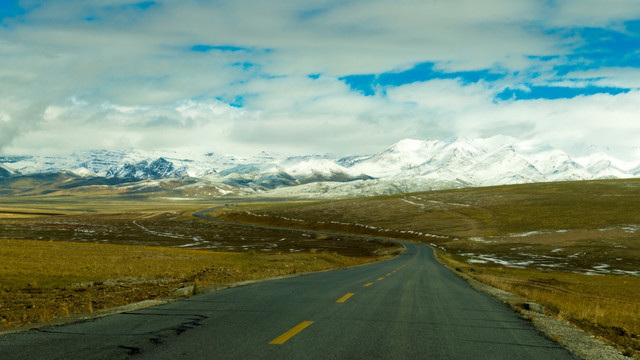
[(345, 297), (407, 263), (389, 274), (291, 333), (381, 278), (368, 284)]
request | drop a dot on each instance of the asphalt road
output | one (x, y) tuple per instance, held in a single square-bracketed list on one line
[(409, 307)]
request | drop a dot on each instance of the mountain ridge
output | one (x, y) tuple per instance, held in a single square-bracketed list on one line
[(408, 165)]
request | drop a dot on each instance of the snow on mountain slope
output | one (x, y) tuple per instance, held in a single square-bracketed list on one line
[(556, 165), (604, 169), (397, 158), (501, 167), (449, 160), (409, 165), (457, 154), (302, 166), (123, 164), (5, 172), (603, 166)]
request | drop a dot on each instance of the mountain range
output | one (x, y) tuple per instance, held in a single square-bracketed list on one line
[(407, 166)]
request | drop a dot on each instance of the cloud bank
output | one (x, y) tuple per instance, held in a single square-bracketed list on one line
[(316, 76)]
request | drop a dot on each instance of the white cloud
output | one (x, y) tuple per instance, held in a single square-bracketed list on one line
[(620, 77), (127, 78), (592, 13)]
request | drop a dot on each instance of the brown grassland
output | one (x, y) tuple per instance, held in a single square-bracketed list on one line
[(60, 257), (45, 280), (573, 247)]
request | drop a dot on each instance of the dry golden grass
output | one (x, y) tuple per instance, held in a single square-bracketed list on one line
[(582, 227), (557, 233), (607, 305), (43, 280)]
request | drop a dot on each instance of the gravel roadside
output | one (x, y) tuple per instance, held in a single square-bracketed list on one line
[(581, 344)]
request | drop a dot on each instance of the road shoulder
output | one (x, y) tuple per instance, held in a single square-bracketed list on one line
[(581, 344)]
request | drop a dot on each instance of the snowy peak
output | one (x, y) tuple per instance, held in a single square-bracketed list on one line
[(604, 169), (404, 155), (603, 166), (504, 166), (408, 165), (457, 153), (407, 153), (146, 170)]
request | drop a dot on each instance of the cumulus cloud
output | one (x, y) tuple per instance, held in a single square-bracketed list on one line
[(246, 75)]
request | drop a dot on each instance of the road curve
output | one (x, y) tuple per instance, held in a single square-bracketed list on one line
[(409, 307), (202, 214)]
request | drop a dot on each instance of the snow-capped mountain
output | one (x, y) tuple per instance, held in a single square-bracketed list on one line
[(409, 165), (556, 165), (603, 166), (5, 173), (147, 169)]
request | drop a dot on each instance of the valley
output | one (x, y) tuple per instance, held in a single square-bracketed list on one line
[(573, 247), (72, 256)]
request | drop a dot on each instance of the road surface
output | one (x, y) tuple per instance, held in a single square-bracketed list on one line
[(409, 307)]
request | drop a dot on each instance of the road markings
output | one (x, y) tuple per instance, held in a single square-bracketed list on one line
[(381, 278), (368, 284), (407, 263), (389, 274), (345, 297), (291, 333)]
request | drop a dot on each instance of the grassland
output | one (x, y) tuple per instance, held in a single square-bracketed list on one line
[(574, 246), (604, 305), (44, 280), (66, 256), (155, 223)]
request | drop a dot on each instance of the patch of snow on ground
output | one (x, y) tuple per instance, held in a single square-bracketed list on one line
[(480, 239), (607, 229), (196, 240), (412, 203), (552, 265), (457, 204), (520, 264), (625, 272), (527, 234), (545, 262), (477, 261)]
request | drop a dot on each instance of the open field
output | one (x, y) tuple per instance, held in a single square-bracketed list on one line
[(158, 223), (44, 280), (65, 256), (574, 247)]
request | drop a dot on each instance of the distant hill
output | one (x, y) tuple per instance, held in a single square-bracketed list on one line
[(407, 166)]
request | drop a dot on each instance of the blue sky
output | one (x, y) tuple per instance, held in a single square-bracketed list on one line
[(317, 75)]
